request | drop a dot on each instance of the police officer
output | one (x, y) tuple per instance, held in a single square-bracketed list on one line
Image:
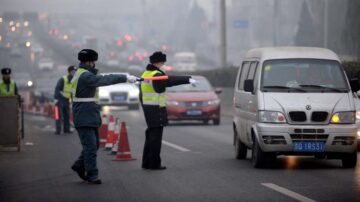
[(154, 105), (62, 96), (7, 85), (87, 113)]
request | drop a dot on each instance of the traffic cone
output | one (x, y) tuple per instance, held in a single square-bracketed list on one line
[(123, 153), (111, 134), (103, 131), (117, 139)]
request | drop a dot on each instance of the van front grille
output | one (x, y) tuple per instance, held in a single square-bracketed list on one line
[(308, 137), (297, 116), (319, 116)]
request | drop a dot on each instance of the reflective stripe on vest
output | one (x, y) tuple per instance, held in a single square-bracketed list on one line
[(3, 88), (149, 95), (67, 89), (74, 84)]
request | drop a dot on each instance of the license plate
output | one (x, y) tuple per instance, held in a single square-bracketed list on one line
[(194, 112), (309, 146), (119, 98)]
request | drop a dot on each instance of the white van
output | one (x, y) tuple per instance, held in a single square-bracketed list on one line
[(294, 101), (185, 61)]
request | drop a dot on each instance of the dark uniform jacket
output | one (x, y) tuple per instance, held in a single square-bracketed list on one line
[(60, 87), (156, 116), (87, 114)]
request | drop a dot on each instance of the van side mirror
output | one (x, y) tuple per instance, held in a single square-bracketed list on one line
[(249, 85), (354, 84), (218, 90)]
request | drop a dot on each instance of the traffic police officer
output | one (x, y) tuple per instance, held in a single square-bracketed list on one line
[(154, 105), (62, 96), (87, 113), (7, 85)]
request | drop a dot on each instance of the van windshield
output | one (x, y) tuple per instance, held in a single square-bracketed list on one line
[(303, 75)]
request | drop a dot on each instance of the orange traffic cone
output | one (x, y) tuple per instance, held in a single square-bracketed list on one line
[(103, 131), (116, 140), (111, 134), (123, 153)]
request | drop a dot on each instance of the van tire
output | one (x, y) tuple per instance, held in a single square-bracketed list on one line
[(240, 149), (258, 158), (349, 160), (216, 121)]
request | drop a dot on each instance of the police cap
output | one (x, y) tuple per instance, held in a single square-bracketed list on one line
[(87, 55), (71, 68), (157, 57), (6, 71)]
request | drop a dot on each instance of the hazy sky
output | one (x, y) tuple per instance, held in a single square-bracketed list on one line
[(92, 6)]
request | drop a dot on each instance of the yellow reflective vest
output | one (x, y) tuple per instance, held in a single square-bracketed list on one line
[(66, 92), (149, 95), (3, 88), (74, 83)]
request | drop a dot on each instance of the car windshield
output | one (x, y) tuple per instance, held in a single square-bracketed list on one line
[(303, 75), (202, 86)]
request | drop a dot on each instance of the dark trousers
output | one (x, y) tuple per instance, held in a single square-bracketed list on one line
[(89, 137), (152, 147), (64, 115)]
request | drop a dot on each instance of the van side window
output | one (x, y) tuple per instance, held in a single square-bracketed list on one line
[(243, 75), (252, 70)]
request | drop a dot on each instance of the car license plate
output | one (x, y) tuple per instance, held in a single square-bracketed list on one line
[(194, 112), (309, 146), (119, 98)]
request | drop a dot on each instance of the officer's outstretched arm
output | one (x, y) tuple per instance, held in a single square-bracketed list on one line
[(104, 80)]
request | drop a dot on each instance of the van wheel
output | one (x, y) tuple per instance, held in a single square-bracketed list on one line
[(240, 149), (216, 121), (205, 122), (349, 160), (258, 156)]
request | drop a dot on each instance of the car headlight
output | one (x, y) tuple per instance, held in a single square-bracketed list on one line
[(271, 117), (134, 93), (172, 103), (213, 102), (343, 117), (103, 93)]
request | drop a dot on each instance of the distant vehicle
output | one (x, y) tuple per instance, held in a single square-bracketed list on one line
[(194, 102), (113, 63), (137, 68), (15, 52), (122, 94), (357, 106), (23, 79), (46, 64), (184, 61), (294, 101)]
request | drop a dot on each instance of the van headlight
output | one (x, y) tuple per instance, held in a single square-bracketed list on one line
[(357, 115), (271, 117), (343, 117), (213, 102)]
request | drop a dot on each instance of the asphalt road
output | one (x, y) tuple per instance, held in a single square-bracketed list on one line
[(200, 161)]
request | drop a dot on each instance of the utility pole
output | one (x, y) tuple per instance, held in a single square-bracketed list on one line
[(326, 4), (223, 61)]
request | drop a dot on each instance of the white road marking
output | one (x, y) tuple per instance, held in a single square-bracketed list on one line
[(29, 143), (287, 192), (180, 148)]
